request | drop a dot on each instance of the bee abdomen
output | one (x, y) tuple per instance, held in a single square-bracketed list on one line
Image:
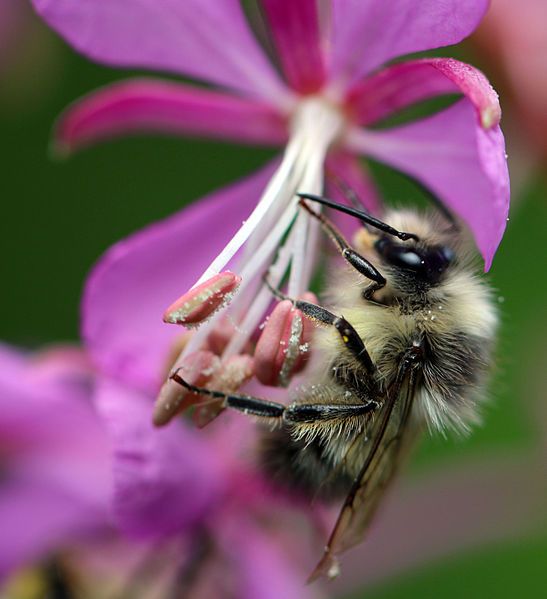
[(302, 467)]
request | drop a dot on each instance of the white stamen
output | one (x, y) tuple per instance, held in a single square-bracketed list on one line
[(271, 193), (316, 124)]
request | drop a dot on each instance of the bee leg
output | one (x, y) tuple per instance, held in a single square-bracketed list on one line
[(296, 413), (350, 337), (353, 258), (369, 291), (300, 413), (243, 403)]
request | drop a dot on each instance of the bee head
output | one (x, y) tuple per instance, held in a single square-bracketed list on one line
[(424, 264)]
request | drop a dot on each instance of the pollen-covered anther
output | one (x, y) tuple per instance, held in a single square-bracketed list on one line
[(228, 377), (283, 347), (198, 368), (198, 304)]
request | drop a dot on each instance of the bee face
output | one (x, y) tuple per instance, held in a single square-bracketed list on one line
[(425, 264)]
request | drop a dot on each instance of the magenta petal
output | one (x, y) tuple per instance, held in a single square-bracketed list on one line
[(127, 292), (37, 517), (142, 105), (296, 31), (54, 456), (48, 427), (164, 479), (206, 39), (464, 164), (368, 33), (403, 84)]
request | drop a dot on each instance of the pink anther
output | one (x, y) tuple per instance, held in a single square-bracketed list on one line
[(200, 302), (283, 347), (198, 368)]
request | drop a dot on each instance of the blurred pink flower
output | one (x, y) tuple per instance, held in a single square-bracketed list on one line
[(54, 457), (69, 481), (514, 45)]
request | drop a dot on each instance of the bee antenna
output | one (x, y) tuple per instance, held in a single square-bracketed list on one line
[(363, 216)]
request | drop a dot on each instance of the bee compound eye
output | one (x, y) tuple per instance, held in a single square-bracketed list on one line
[(407, 258), (426, 264), (410, 259)]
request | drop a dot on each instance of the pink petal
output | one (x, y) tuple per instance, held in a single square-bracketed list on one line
[(368, 33), (48, 428), (54, 454), (296, 31), (126, 293), (164, 479), (206, 39), (147, 105), (512, 41), (458, 160), (406, 83), (38, 517)]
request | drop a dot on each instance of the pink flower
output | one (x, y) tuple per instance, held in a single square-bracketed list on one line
[(336, 90), (54, 458)]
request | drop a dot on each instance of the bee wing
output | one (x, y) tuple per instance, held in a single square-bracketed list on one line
[(390, 436)]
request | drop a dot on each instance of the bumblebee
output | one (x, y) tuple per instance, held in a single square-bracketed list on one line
[(405, 344)]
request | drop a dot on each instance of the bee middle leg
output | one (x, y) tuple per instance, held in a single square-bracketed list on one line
[(295, 413), (350, 337)]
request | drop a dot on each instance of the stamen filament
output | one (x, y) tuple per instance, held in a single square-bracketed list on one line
[(269, 196)]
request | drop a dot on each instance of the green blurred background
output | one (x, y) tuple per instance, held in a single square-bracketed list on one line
[(58, 217)]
